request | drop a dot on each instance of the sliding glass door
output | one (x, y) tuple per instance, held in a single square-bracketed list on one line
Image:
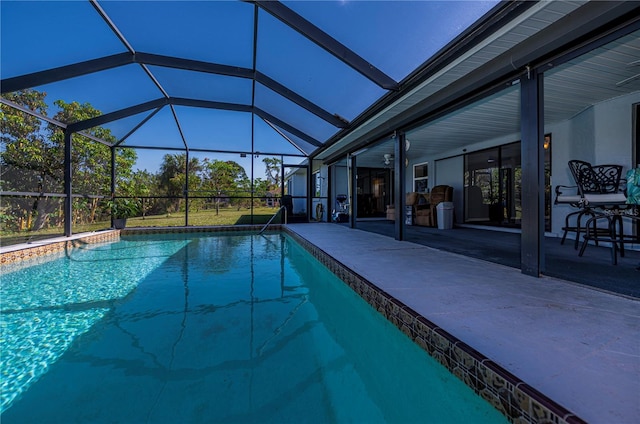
[(493, 186), (374, 192)]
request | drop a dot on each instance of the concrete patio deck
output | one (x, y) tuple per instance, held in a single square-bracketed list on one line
[(578, 346)]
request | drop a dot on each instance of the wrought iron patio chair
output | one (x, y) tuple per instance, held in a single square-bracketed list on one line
[(569, 195), (594, 185), (601, 190)]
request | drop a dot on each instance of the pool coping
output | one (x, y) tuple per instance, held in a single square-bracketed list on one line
[(514, 398)]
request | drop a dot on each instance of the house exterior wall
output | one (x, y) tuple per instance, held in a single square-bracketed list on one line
[(613, 130), (340, 184), (448, 172)]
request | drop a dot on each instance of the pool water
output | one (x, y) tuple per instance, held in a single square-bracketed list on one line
[(189, 329)]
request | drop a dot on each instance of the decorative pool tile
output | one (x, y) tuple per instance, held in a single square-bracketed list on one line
[(40, 250)]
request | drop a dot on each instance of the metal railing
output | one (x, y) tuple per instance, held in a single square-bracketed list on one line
[(273, 217)]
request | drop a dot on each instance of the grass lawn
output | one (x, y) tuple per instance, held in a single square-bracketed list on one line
[(226, 216)]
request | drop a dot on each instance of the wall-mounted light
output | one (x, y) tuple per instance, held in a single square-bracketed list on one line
[(546, 143)]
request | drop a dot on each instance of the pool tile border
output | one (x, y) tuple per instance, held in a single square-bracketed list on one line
[(515, 399), (43, 249)]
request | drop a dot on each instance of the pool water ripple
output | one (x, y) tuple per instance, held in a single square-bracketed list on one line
[(45, 307)]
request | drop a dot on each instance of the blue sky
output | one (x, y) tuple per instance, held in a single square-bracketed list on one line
[(395, 36)]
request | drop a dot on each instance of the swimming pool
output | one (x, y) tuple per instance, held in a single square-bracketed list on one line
[(200, 328)]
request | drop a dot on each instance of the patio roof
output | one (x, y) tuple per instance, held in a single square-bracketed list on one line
[(245, 76)]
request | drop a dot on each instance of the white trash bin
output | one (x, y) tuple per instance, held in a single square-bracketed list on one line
[(445, 215)]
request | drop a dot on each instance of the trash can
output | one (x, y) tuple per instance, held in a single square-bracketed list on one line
[(445, 215)]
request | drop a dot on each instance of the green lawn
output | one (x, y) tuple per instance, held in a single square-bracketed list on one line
[(226, 216)]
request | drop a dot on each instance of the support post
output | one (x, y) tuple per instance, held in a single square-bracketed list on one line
[(68, 200), (253, 182), (330, 193), (113, 178), (186, 191), (532, 261), (399, 184), (353, 197), (310, 191)]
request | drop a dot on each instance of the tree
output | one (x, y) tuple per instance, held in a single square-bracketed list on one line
[(142, 184), (24, 164), (33, 156), (272, 172), (172, 177), (225, 179), (22, 140), (261, 190), (90, 160)]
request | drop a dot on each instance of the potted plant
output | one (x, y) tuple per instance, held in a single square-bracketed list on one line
[(121, 209)]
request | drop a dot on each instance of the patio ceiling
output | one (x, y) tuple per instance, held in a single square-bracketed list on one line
[(245, 76)]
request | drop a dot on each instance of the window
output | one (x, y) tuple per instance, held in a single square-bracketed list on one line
[(421, 177)]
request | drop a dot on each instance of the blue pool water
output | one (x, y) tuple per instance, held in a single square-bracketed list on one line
[(189, 329)]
